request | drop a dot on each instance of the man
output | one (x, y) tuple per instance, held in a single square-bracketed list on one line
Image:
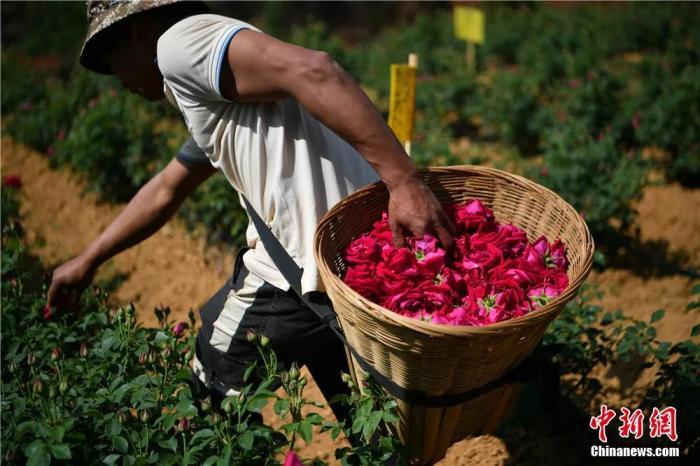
[(289, 129)]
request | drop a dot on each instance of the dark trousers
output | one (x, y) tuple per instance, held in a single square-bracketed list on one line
[(296, 335)]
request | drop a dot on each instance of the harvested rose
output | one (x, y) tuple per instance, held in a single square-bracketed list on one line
[(493, 273)]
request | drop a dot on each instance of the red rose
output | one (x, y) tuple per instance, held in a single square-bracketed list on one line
[(409, 302), (401, 261), (363, 250), (362, 279), (12, 181)]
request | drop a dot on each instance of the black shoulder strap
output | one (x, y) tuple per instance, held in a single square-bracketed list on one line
[(292, 273)]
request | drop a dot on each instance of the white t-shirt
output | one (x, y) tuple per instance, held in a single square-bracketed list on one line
[(291, 167)]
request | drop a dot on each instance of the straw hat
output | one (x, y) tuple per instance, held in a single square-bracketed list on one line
[(101, 14)]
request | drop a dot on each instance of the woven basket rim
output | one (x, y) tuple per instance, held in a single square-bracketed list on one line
[(441, 330)]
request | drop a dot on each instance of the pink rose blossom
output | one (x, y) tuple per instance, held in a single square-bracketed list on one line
[(492, 274), (292, 460)]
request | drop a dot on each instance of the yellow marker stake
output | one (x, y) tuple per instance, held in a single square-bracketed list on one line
[(402, 100), (469, 26)]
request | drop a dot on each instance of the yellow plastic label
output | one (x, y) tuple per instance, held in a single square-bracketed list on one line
[(469, 24), (402, 101)]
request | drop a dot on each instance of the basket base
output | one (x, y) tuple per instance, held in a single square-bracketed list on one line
[(429, 432)]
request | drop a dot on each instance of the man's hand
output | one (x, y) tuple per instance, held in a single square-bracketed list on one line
[(69, 281), (413, 208), (150, 208)]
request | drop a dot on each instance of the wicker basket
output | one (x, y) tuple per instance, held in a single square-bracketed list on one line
[(441, 359)]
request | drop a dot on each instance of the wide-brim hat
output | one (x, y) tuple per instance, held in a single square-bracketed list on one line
[(103, 14)]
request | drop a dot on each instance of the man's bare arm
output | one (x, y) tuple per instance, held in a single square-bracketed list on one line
[(260, 67), (148, 210)]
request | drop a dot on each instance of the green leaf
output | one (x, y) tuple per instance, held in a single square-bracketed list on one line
[(120, 444), (390, 417), (211, 460), (111, 459), (305, 431), (281, 407), (657, 315), (695, 331), (60, 452), (335, 431), (371, 425), (39, 457), (119, 393), (651, 332), (245, 440), (662, 352), (314, 419), (249, 371), (107, 343), (169, 444), (257, 402), (114, 428), (204, 433)]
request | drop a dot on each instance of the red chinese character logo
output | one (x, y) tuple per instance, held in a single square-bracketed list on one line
[(601, 421), (663, 423), (632, 423)]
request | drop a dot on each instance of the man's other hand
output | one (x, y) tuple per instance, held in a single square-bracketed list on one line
[(69, 281)]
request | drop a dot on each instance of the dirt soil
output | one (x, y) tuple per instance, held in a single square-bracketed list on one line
[(176, 268)]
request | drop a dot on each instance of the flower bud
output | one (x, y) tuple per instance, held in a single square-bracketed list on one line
[(167, 351), (13, 368), (55, 353), (130, 311), (215, 418), (31, 359), (122, 417), (251, 336), (144, 415), (205, 404), (302, 382), (179, 329), (143, 358), (152, 357), (183, 424), (10, 456), (241, 398), (63, 387), (228, 406), (47, 312), (264, 341), (294, 372), (346, 378), (83, 350), (38, 386)]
